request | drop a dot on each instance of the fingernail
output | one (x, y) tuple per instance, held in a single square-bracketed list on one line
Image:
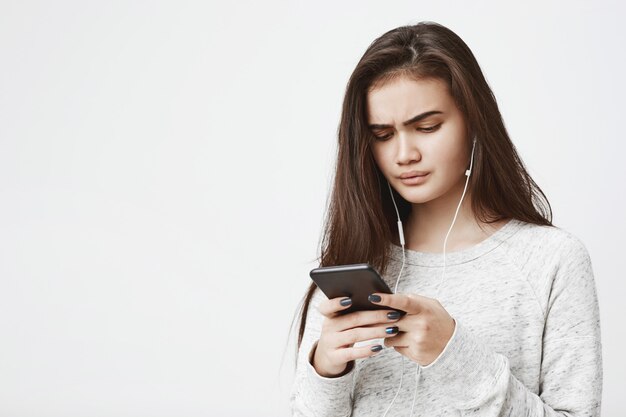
[(345, 302), (374, 298), (376, 348), (391, 330), (394, 315)]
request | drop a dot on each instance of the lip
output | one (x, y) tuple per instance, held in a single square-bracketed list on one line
[(411, 174), (415, 180)]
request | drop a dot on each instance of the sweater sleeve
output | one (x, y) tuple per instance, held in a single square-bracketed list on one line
[(478, 381), (311, 393)]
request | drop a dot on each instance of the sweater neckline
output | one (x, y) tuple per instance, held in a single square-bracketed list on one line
[(458, 257)]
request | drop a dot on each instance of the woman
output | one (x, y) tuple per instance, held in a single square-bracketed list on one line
[(501, 320)]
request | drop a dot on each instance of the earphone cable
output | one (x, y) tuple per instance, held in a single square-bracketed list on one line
[(402, 243), (458, 207), (395, 290), (445, 241)]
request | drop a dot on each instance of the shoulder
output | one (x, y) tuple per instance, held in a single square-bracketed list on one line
[(545, 244), (552, 260)]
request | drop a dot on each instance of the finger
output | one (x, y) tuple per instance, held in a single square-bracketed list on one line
[(330, 307), (410, 303), (352, 353), (352, 336), (400, 340), (365, 318), (403, 350), (418, 322)]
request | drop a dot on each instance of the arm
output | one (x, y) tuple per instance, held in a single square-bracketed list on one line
[(478, 381)]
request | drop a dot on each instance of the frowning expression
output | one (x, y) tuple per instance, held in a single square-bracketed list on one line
[(419, 133)]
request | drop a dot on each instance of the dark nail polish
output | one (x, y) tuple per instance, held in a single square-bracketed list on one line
[(345, 302), (391, 330), (393, 315), (374, 298), (376, 348)]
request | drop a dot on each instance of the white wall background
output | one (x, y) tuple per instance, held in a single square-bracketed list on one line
[(164, 168)]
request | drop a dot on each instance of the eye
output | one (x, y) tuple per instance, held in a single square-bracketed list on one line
[(382, 138), (421, 129), (429, 129)]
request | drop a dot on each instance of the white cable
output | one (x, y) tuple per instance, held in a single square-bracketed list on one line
[(418, 368), (418, 371), (395, 290), (445, 241), (398, 391)]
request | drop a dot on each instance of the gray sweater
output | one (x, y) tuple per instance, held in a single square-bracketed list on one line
[(526, 343)]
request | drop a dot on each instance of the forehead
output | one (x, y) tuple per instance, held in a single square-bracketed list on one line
[(402, 98)]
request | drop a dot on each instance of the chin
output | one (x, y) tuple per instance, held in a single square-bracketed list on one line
[(418, 197), (424, 193)]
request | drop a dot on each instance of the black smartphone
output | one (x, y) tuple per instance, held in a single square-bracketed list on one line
[(356, 281)]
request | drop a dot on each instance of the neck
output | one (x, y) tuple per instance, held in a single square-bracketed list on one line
[(429, 223)]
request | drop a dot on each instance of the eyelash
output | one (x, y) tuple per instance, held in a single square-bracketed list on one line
[(424, 129)]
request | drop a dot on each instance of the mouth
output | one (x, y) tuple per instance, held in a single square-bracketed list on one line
[(414, 177), (412, 174)]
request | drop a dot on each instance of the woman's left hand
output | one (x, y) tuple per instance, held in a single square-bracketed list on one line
[(425, 329)]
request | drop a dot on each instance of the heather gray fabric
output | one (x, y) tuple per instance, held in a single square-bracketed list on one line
[(526, 343)]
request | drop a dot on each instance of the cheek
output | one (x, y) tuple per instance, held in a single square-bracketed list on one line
[(449, 144), (451, 158)]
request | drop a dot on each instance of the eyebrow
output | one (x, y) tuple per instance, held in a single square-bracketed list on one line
[(410, 121)]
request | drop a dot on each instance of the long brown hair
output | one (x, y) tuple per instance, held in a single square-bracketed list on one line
[(360, 221)]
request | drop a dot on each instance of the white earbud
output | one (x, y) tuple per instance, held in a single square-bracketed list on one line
[(469, 171), (400, 230)]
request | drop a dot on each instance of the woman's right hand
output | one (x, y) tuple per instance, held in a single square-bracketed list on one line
[(340, 332)]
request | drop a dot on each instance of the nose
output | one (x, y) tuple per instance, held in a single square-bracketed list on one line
[(407, 151)]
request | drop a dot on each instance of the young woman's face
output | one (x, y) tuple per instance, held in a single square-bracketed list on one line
[(420, 131)]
